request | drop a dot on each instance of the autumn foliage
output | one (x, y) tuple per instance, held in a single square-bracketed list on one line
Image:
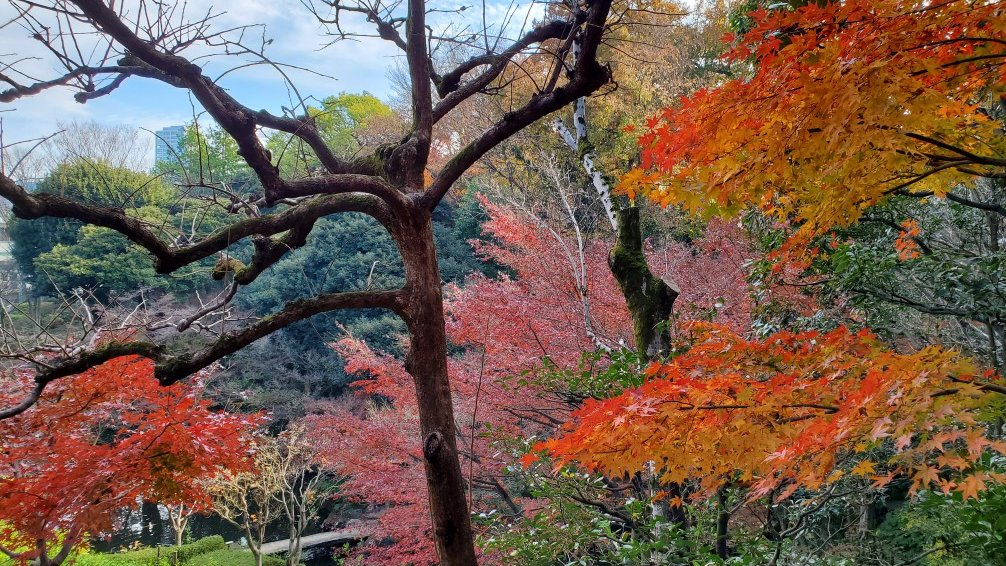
[(845, 103), (788, 411), (511, 326), (103, 440)]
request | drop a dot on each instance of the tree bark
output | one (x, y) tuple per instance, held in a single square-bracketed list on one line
[(650, 299), (722, 524), (179, 517), (426, 361), (43, 554)]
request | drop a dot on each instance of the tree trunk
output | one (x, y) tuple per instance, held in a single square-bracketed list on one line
[(722, 524), (179, 518), (297, 525), (426, 361), (650, 300), (255, 543), (43, 554)]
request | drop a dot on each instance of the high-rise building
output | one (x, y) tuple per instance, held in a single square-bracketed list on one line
[(5, 244), (167, 143)]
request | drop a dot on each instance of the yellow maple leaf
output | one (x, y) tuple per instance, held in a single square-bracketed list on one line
[(864, 468)]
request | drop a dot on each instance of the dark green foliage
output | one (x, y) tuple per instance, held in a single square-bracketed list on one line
[(452, 226), (32, 238), (93, 183), (946, 531), (350, 252), (469, 216), (947, 285)]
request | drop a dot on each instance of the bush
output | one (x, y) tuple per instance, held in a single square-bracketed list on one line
[(227, 557), (157, 556)]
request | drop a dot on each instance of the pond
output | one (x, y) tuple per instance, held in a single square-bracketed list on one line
[(148, 525)]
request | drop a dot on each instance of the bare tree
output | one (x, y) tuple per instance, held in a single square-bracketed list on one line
[(116, 146), (251, 500), (304, 486), (100, 45), (286, 483)]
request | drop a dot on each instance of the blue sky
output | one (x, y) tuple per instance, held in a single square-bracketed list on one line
[(143, 103)]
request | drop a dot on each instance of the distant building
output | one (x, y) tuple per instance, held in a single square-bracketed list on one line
[(167, 143), (30, 185), (5, 245), (12, 285)]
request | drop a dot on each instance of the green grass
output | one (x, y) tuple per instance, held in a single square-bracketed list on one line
[(233, 558), (209, 551)]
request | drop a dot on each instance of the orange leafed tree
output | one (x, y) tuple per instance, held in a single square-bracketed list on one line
[(839, 104), (785, 412)]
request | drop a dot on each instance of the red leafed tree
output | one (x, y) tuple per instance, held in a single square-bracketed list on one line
[(538, 311), (560, 301), (376, 447), (712, 275), (103, 440)]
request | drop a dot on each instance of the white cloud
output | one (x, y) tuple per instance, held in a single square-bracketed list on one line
[(296, 37)]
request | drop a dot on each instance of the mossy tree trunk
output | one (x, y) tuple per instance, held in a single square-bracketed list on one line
[(650, 299)]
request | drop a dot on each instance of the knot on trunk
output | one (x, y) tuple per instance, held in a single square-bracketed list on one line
[(432, 444)]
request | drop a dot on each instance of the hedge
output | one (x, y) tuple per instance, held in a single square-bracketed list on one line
[(159, 556), (233, 558)]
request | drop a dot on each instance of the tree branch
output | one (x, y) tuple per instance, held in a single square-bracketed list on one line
[(180, 366), (972, 157), (587, 77), (236, 119), (168, 259), (170, 368), (78, 364), (422, 93), (452, 92)]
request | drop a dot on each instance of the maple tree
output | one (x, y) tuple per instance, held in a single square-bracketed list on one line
[(835, 108), (847, 103), (98, 442), (785, 411)]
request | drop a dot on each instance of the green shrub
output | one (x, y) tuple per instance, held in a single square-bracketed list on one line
[(157, 556), (233, 558)]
